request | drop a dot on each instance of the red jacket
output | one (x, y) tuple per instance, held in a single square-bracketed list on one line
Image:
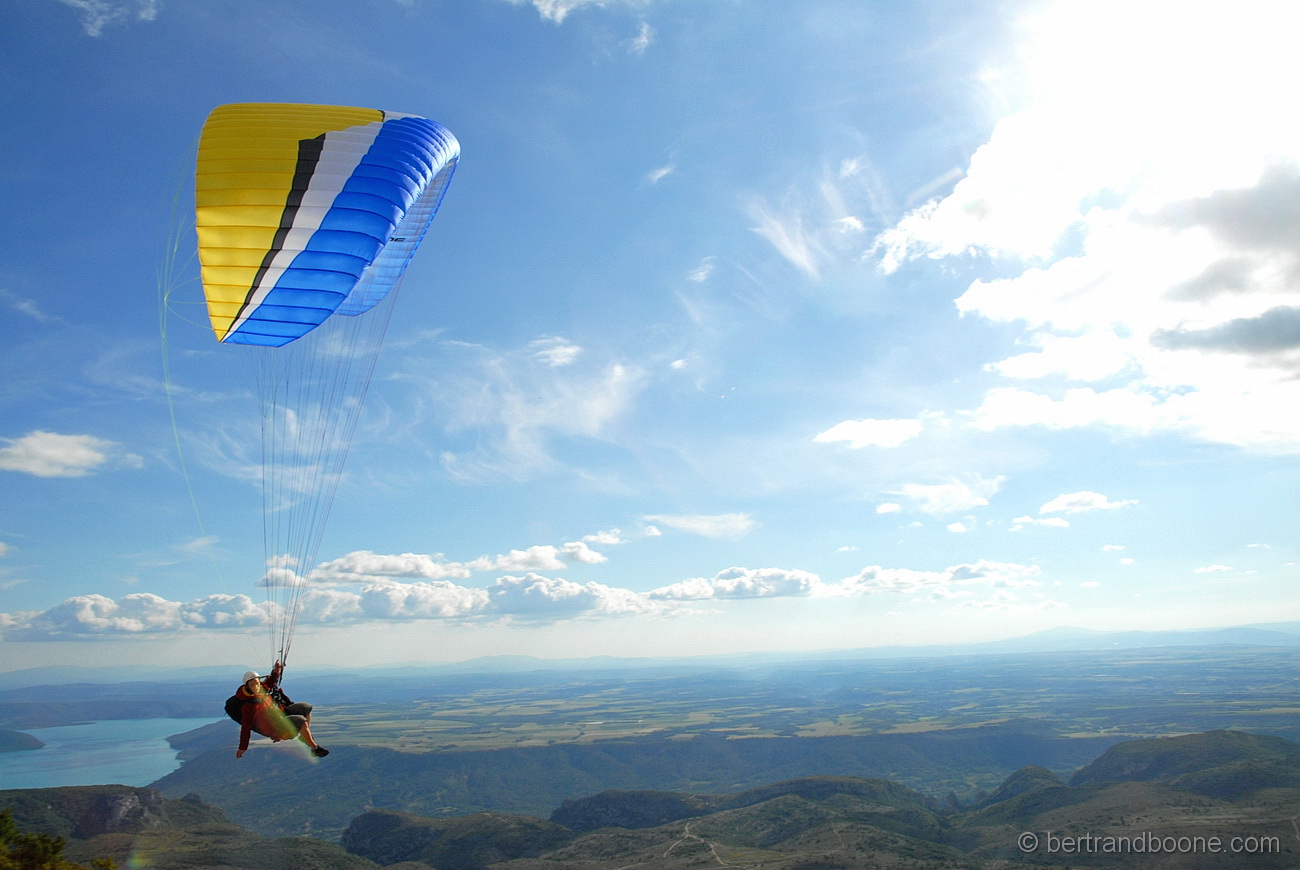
[(261, 714)]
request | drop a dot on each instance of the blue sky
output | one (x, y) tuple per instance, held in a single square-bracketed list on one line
[(744, 326)]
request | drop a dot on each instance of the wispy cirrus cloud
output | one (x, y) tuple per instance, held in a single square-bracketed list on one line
[(706, 525), (512, 407), (657, 175), (558, 10), (99, 14)]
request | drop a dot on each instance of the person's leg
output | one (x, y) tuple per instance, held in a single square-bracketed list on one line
[(303, 724)]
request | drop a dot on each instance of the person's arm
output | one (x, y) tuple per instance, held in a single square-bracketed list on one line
[(273, 680)]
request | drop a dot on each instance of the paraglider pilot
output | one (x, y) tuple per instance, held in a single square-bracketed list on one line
[(261, 705)]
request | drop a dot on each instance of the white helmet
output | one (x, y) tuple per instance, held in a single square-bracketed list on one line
[(252, 675)]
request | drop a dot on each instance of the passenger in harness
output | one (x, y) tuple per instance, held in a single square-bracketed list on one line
[(261, 705)]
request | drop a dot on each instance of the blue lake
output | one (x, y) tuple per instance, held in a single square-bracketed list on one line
[(121, 751)]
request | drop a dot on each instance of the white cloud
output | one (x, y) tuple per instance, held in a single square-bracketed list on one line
[(139, 613), (957, 579), (1121, 408), (1089, 584), (558, 10), (743, 583), (1148, 204), (947, 498), (871, 433), (511, 409), (657, 175), (606, 538), (364, 566), (533, 598), (1020, 523), (888, 507), (1080, 502), (198, 546), (5, 549), (224, 611), (48, 454), (699, 275), (24, 306), (786, 232), (1112, 548), (645, 35), (98, 14), (1212, 569), (555, 351), (437, 599), (706, 525)]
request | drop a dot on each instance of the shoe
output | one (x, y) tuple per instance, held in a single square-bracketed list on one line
[(320, 751)]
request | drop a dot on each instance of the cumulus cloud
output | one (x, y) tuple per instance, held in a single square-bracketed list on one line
[(1275, 331), (871, 433), (140, 613), (606, 538), (533, 598), (1145, 215), (1212, 569), (743, 583), (364, 566), (957, 581), (49, 454), (437, 599), (1080, 502), (529, 598), (706, 525)]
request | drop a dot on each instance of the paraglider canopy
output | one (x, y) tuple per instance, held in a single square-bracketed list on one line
[(307, 217), (307, 211)]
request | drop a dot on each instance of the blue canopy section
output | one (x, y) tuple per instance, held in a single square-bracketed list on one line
[(366, 238)]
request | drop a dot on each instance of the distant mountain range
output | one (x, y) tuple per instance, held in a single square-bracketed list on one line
[(1221, 799), (1062, 639)]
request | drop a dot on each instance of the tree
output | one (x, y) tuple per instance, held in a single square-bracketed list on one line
[(22, 851)]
